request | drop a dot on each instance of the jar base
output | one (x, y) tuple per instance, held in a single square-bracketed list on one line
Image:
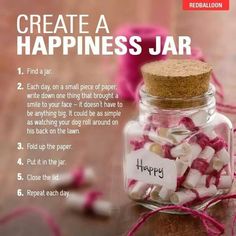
[(155, 205)]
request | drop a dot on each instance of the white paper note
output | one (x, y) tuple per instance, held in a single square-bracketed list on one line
[(150, 168)]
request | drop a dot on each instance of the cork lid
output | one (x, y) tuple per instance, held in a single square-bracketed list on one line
[(176, 78)]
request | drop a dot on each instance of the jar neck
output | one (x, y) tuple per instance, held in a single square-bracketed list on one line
[(166, 112)]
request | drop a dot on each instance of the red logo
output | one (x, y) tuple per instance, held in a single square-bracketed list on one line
[(196, 5)]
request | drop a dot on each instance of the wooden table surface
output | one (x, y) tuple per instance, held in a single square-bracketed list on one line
[(99, 147)]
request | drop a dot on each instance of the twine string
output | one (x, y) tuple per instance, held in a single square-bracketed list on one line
[(43, 214), (202, 215)]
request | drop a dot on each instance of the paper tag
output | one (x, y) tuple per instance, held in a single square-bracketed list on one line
[(150, 168)]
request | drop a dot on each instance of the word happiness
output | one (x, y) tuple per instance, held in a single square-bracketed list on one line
[(46, 34)]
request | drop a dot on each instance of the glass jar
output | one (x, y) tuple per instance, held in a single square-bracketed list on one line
[(178, 156)]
